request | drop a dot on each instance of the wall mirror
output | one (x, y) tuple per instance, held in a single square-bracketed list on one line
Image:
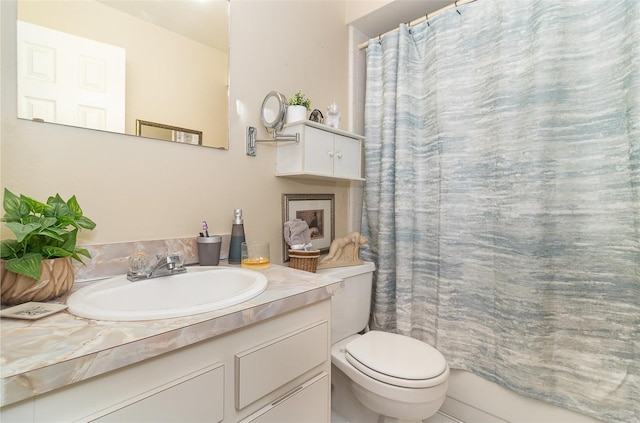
[(168, 60)]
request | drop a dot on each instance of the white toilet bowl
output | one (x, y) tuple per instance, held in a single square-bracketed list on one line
[(393, 375), (381, 374)]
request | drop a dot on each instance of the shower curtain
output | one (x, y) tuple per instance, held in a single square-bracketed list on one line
[(502, 195)]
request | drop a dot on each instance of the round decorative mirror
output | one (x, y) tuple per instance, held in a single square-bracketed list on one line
[(274, 110)]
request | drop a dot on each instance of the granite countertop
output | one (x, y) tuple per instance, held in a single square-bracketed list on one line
[(42, 355)]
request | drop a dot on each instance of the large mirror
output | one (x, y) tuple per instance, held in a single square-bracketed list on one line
[(132, 60)]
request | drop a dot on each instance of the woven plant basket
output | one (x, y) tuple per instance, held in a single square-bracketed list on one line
[(304, 260), (56, 279)]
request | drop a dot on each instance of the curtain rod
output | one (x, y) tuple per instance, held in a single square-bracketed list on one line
[(414, 22)]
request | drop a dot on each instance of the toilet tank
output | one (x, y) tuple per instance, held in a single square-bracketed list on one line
[(350, 306)]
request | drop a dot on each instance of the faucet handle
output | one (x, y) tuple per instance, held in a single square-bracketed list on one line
[(175, 260), (171, 262), (139, 264)]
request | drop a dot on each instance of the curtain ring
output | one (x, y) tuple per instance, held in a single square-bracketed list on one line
[(426, 18), (456, 5)]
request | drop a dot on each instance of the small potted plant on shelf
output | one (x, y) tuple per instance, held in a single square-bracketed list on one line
[(36, 265), (299, 106)]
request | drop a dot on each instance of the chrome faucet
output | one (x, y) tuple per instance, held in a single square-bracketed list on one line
[(165, 266)]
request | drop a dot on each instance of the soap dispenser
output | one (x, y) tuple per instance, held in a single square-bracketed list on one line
[(237, 238)]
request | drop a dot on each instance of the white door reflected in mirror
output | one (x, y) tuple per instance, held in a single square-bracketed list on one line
[(66, 79)]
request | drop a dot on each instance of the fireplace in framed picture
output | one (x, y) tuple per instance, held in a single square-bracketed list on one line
[(318, 210)]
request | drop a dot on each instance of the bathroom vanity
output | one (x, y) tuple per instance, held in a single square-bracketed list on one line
[(265, 360)]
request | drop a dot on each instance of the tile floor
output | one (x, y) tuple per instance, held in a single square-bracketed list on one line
[(441, 418), (436, 418)]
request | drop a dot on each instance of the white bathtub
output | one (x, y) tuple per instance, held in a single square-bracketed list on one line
[(475, 400)]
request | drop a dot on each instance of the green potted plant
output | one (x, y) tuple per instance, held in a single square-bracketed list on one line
[(298, 107), (36, 265)]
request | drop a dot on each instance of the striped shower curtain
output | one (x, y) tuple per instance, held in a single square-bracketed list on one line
[(502, 195)]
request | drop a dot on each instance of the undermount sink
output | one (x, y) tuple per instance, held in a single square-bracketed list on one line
[(199, 290)]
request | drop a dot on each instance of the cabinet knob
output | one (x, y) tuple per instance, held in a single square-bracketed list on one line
[(339, 154), (330, 153)]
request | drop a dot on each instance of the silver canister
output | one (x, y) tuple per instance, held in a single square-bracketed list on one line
[(209, 250)]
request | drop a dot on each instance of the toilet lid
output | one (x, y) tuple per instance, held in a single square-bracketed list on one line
[(396, 359)]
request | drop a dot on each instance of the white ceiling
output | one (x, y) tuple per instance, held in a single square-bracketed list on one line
[(390, 16), (206, 21)]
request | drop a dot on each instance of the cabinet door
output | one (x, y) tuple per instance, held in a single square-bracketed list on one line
[(18, 412), (346, 157), (196, 399), (307, 403), (318, 152)]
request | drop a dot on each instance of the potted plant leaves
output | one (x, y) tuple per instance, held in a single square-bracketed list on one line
[(36, 265), (298, 107)]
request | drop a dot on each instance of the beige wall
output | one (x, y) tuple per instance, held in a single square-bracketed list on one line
[(139, 189), (165, 72)]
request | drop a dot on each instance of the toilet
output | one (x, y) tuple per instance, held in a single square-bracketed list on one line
[(389, 377)]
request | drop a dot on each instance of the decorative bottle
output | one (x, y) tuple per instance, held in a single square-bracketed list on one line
[(237, 238)]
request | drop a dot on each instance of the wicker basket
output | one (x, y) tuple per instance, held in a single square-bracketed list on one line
[(304, 260)]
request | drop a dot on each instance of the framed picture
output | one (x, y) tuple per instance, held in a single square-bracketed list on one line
[(164, 132), (318, 210)]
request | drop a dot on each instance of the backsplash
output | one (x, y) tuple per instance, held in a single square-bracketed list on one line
[(113, 259)]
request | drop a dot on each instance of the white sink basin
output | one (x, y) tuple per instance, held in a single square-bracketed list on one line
[(199, 290)]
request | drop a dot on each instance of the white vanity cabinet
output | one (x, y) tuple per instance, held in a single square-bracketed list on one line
[(276, 370), (322, 153)]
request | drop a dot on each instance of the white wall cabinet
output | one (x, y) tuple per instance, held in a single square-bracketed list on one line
[(276, 370), (322, 153)]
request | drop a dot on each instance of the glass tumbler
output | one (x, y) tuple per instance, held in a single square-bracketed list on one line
[(255, 255)]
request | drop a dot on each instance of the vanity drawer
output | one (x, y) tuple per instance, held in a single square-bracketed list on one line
[(299, 405), (269, 366)]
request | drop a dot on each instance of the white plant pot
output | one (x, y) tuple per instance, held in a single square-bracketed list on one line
[(296, 114)]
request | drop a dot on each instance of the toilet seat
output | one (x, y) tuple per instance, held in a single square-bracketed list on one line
[(396, 359)]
